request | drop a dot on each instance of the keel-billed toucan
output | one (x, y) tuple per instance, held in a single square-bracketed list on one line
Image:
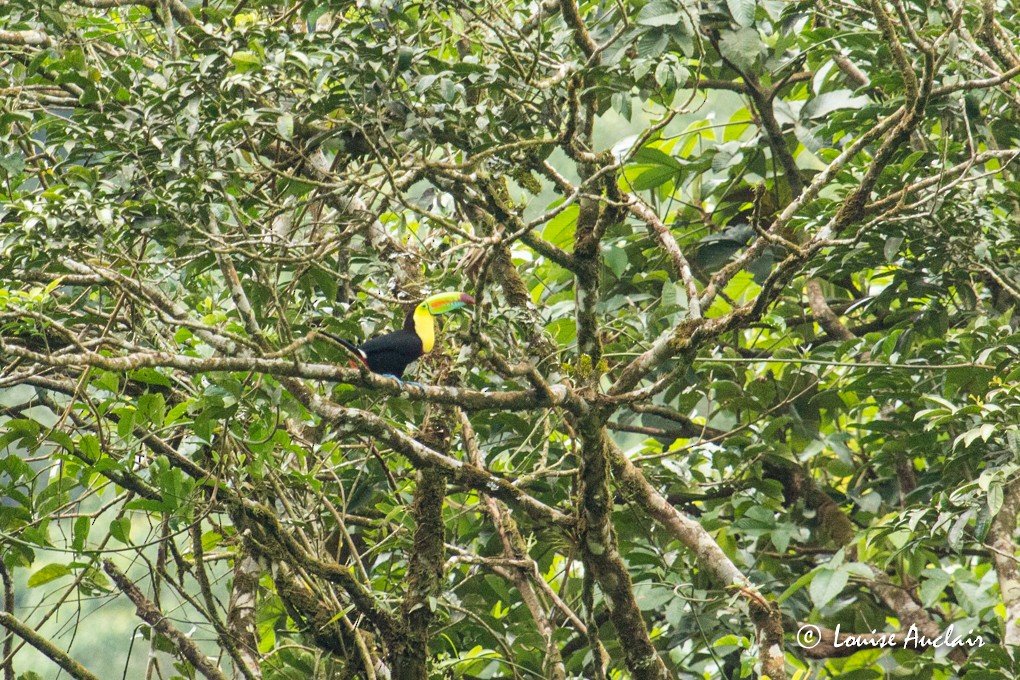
[(391, 353)]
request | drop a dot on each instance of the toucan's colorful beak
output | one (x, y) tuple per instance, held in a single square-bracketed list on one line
[(447, 302)]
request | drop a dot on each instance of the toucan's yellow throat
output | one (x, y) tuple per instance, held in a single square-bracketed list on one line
[(424, 327)]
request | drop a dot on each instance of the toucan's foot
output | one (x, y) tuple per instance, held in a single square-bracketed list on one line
[(402, 383)]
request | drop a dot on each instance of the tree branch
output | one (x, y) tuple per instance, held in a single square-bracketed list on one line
[(710, 557), (1000, 540), (150, 613), (601, 554), (469, 400), (30, 37), (824, 315), (47, 648)]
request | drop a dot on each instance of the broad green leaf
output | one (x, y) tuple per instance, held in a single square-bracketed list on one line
[(892, 247), (742, 47), (120, 529), (995, 499), (616, 260), (650, 46), (16, 395), (50, 572), (644, 177), (933, 585), (827, 584), (660, 13), (796, 586), (827, 102), (42, 415), (82, 527), (648, 155), (742, 11), (653, 596), (560, 230)]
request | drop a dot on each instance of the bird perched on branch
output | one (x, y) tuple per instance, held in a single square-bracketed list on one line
[(390, 354)]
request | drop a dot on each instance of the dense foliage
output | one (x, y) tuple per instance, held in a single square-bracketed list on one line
[(743, 357)]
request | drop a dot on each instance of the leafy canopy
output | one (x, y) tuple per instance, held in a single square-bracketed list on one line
[(743, 358)]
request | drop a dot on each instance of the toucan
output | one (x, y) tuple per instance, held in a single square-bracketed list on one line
[(391, 353)]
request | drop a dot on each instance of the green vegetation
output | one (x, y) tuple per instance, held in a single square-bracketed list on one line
[(743, 357)]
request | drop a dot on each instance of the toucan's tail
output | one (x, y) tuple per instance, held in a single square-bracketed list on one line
[(358, 354)]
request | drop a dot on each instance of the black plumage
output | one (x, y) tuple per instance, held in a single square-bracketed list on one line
[(392, 353)]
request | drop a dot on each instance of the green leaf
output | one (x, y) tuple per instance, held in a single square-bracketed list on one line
[(674, 296), (995, 498), (560, 229), (151, 409), (42, 415), (615, 52), (934, 583), (50, 572), (148, 505), (957, 532), (314, 12), (80, 532), (742, 11), (175, 414), (827, 584), (781, 536), (120, 529), (245, 61), (645, 177), (982, 432), (89, 445), (892, 247), (827, 102), (668, 75), (16, 395), (660, 13), (61, 438), (564, 331), (742, 47), (616, 260), (649, 155), (126, 424), (796, 586), (652, 596), (285, 126), (12, 164), (449, 89), (210, 540), (727, 156), (150, 376), (650, 46)]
